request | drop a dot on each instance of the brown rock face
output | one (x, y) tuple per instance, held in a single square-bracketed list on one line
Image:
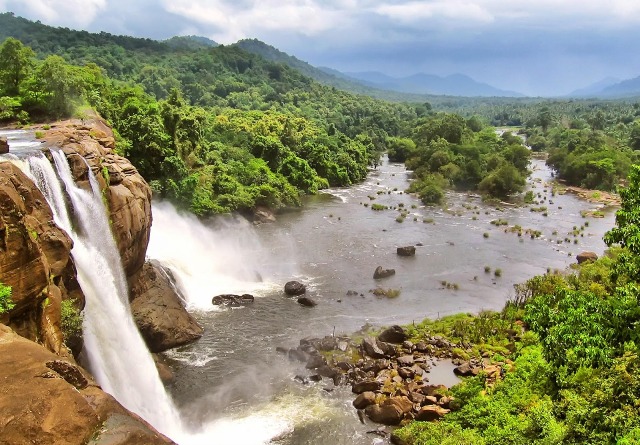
[(127, 193), (4, 145), (158, 310), (45, 400), (586, 256), (34, 260)]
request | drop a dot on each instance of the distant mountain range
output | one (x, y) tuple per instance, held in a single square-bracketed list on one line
[(610, 88), (418, 87), (421, 83)]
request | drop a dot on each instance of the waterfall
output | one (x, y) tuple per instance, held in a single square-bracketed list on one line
[(118, 357)]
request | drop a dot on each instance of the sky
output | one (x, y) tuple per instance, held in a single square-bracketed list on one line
[(535, 47)]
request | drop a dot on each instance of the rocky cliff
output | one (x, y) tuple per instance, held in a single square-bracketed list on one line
[(45, 398), (34, 261), (48, 400)]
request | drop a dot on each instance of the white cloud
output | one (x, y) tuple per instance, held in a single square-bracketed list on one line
[(467, 12), (234, 21), (72, 13)]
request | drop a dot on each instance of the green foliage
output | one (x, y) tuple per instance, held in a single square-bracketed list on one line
[(6, 303), (70, 320)]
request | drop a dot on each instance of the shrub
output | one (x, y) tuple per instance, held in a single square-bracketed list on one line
[(70, 320), (6, 303)]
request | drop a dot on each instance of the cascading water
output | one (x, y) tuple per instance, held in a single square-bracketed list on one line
[(207, 262), (117, 354)]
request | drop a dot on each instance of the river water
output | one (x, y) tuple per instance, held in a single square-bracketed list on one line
[(234, 377)]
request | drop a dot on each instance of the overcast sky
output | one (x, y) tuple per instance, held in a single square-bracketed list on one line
[(537, 47)]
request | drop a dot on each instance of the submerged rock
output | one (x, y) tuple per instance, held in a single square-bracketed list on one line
[(383, 273), (306, 301), (232, 300), (294, 288)]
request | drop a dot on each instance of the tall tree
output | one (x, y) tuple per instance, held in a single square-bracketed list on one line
[(16, 62)]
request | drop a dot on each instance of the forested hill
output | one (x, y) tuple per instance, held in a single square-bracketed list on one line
[(218, 129)]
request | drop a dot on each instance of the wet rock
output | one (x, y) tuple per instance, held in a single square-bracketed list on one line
[(315, 378), (263, 215), (406, 251), (4, 145), (430, 413), (364, 399), (294, 288), (307, 302), (385, 414), (296, 354), (158, 310), (352, 293), (281, 350), (232, 300), (586, 256), (394, 334), (367, 385), (315, 361), (383, 273)]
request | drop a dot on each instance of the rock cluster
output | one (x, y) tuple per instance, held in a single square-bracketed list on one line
[(391, 380)]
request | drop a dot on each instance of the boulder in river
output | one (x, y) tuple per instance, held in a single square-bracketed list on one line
[(294, 288), (364, 399), (306, 301), (406, 251), (394, 334), (232, 300), (385, 414), (586, 256), (4, 145), (383, 273), (158, 310)]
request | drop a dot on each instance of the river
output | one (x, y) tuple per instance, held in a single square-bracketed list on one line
[(233, 375)]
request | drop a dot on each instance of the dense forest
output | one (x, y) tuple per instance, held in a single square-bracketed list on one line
[(217, 129)]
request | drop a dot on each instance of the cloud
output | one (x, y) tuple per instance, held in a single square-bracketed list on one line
[(72, 13), (463, 12), (232, 20)]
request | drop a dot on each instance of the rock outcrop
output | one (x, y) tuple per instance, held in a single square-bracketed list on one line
[(4, 145), (46, 400), (127, 194), (159, 310), (583, 257), (34, 261)]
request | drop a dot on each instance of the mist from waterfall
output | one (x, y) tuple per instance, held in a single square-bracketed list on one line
[(221, 256)]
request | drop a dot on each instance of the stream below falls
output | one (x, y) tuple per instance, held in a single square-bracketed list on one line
[(234, 378)]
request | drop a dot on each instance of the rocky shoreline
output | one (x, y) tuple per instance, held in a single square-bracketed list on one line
[(388, 373)]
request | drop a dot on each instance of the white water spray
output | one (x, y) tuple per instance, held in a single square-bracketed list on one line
[(207, 262)]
